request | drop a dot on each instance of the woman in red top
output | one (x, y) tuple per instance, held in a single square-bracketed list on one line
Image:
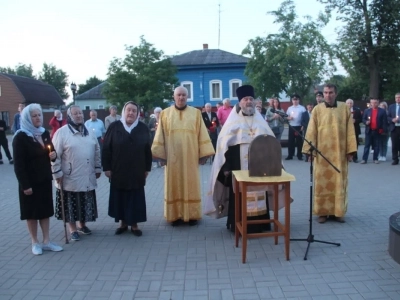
[(56, 122)]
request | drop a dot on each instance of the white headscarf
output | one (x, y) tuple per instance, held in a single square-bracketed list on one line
[(127, 127), (26, 121)]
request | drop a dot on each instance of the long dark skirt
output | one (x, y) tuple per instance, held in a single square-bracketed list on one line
[(253, 228), (39, 205), (127, 205), (78, 206)]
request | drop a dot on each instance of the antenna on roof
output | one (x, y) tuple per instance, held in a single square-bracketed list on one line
[(219, 23)]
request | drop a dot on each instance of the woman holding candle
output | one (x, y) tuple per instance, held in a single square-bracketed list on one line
[(33, 150)]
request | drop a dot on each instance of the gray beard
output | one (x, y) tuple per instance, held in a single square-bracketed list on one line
[(248, 110)]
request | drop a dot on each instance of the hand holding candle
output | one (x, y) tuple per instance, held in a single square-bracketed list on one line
[(48, 146)]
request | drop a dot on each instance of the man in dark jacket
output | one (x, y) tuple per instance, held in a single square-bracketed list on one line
[(4, 142), (357, 119), (211, 121), (375, 120)]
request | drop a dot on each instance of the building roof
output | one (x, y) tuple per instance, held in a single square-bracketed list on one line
[(35, 91), (208, 57), (93, 93)]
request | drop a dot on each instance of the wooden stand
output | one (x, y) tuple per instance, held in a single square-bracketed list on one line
[(241, 182)]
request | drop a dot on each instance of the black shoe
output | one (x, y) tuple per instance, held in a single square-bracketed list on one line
[(1, 162), (288, 158), (355, 160), (395, 162), (136, 232), (192, 222), (176, 223), (121, 230), (300, 158)]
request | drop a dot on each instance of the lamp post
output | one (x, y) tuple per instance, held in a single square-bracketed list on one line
[(73, 89)]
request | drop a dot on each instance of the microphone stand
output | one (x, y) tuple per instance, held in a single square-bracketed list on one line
[(310, 238)]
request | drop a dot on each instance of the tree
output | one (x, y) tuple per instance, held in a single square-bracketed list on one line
[(90, 83), (293, 60), (55, 77), (369, 42), (20, 70), (145, 76)]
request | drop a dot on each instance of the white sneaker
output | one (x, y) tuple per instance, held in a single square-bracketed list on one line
[(36, 249), (380, 158), (50, 246)]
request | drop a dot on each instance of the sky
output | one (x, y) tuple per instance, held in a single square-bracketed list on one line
[(82, 37)]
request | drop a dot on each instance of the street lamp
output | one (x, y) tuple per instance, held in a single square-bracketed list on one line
[(73, 89)]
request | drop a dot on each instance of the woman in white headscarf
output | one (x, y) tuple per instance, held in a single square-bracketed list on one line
[(75, 171), (126, 161), (33, 150)]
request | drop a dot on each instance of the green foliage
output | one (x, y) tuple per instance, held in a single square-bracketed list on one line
[(20, 70), (369, 43), (55, 77), (145, 76), (90, 83), (293, 60)]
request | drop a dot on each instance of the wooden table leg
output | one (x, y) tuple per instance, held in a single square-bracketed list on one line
[(287, 219), (276, 210), (244, 221), (237, 209)]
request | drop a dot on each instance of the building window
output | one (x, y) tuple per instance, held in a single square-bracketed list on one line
[(101, 106), (233, 85), (189, 86), (215, 90), (87, 107)]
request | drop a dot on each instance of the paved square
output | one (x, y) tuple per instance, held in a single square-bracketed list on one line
[(201, 262)]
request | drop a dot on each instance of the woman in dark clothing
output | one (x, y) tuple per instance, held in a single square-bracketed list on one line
[(33, 150), (126, 161)]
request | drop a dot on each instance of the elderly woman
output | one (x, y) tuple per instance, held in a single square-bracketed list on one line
[(33, 151), (112, 117), (275, 121), (75, 170), (56, 122), (153, 123), (126, 161)]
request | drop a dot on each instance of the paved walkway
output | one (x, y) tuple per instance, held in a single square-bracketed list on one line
[(202, 262)]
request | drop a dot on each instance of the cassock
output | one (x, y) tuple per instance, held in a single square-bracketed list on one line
[(331, 130), (182, 139), (232, 154)]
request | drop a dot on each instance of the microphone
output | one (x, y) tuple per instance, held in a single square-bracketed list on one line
[(282, 114)]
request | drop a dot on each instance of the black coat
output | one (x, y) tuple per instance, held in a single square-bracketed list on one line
[(127, 155), (31, 160), (357, 116), (209, 125), (3, 132)]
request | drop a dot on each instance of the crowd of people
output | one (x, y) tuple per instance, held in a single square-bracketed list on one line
[(179, 139)]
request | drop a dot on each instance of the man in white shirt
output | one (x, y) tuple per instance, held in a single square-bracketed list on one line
[(294, 113)]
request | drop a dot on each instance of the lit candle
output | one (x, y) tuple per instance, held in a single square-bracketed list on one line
[(49, 148)]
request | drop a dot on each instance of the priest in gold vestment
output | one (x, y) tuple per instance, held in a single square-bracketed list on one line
[(182, 143), (331, 130)]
